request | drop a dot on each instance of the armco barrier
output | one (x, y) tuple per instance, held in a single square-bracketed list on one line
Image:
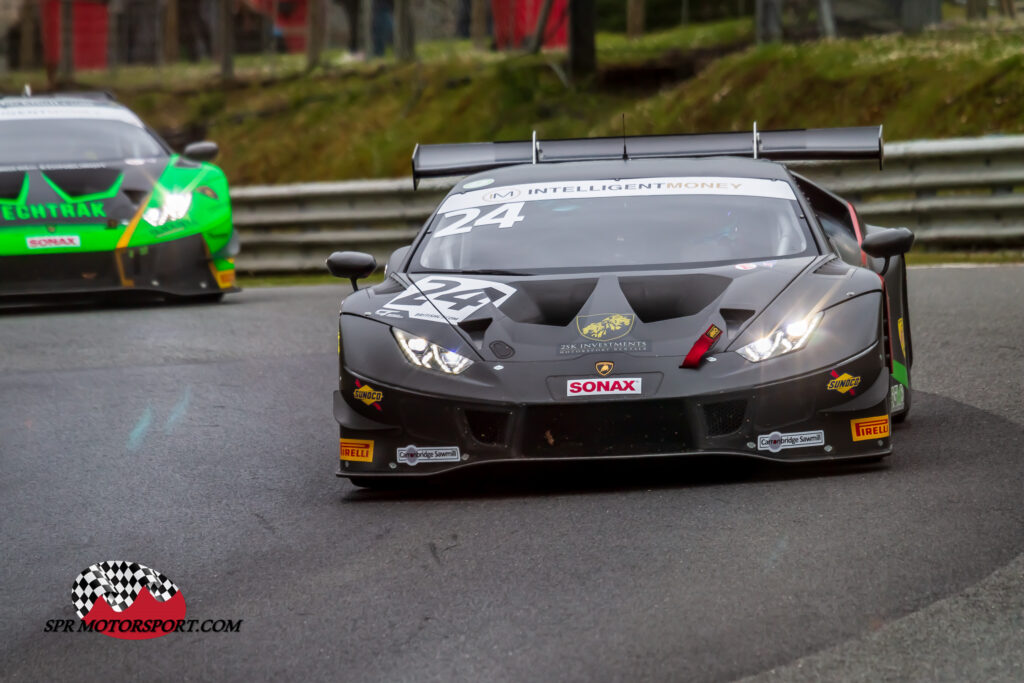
[(957, 192)]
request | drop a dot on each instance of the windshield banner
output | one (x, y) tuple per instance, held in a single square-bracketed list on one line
[(630, 187)]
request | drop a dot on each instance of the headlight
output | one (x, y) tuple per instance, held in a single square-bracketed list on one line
[(173, 207), (789, 337), (425, 354)]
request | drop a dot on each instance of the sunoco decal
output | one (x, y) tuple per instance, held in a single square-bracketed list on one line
[(843, 383), (411, 455), (597, 387), (368, 395), (776, 441), (870, 428)]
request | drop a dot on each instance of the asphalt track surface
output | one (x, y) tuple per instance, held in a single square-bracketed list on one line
[(199, 440)]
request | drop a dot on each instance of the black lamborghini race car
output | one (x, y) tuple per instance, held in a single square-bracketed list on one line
[(622, 298), (94, 202)]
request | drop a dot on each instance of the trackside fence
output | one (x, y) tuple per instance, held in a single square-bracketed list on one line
[(955, 193)]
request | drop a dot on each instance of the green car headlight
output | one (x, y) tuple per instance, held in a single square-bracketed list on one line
[(173, 207)]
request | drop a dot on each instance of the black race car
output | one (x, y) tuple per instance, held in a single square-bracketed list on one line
[(623, 298)]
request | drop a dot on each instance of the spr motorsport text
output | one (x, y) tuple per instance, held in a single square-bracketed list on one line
[(144, 626)]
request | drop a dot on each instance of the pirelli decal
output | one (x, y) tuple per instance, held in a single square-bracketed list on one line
[(870, 428), (357, 450)]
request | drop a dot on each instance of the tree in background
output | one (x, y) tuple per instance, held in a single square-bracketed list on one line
[(582, 47), (405, 39), (977, 9), (635, 18)]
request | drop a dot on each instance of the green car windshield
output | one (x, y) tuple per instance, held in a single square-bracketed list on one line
[(50, 141)]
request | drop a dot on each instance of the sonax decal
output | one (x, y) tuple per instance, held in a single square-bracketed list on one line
[(595, 387), (53, 241)]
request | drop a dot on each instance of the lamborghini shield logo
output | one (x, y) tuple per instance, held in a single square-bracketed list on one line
[(603, 367), (604, 327)]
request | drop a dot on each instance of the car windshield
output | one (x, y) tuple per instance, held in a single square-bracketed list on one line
[(600, 224), (47, 141)]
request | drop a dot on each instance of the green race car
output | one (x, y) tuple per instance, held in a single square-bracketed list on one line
[(94, 202)]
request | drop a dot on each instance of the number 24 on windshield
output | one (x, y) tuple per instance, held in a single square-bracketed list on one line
[(504, 216)]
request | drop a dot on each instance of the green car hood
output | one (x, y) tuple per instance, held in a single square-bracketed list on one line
[(103, 206)]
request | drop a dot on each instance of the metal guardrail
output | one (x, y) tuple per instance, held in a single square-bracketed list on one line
[(963, 192)]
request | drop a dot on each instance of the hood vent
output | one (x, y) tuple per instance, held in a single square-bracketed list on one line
[(548, 302), (833, 267), (661, 297), (136, 197), (735, 317), (390, 285), (76, 182), (11, 183)]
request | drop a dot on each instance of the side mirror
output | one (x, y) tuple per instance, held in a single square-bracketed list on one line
[(201, 151), (395, 260), (887, 243), (351, 264)]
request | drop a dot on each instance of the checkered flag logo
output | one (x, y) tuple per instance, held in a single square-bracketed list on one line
[(119, 583)]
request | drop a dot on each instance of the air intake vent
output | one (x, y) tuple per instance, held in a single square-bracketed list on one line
[(661, 297), (11, 184), (724, 417), (552, 302), (487, 427), (76, 182), (833, 267), (136, 197)]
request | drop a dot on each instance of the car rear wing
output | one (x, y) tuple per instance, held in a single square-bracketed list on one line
[(812, 144)]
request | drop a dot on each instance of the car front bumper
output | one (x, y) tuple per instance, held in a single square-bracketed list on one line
[(181, 267), (801, 419)]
